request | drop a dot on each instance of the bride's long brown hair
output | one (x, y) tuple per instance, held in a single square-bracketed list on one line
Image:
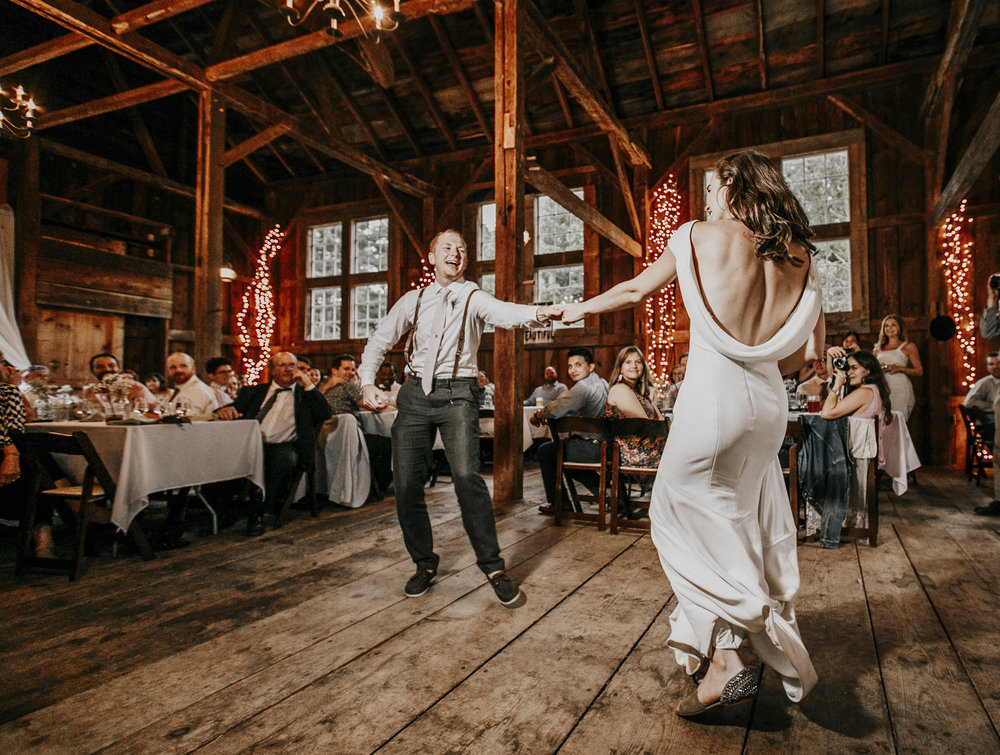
[(758, 196)]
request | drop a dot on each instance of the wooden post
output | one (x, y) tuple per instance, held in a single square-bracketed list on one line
[(508, 170), (27, 230), (208, 230)]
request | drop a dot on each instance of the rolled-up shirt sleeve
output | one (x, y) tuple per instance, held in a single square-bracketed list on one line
[(571, 403), (989, 325)]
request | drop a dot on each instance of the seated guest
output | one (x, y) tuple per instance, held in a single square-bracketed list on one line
[(316, 375), (629, 397), (983, 392), (819, 383), (486, 389), (289, 408), (866, 395), (385, 381), (189, 390), (104, 364), (585, 399), (157, 384), (14, 485), (852, 342), (220, 379), (549, 390), (343, 392), (670, 392)]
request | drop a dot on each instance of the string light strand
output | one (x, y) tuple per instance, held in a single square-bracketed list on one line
[(661, 308), (956, 259), (256, 318)]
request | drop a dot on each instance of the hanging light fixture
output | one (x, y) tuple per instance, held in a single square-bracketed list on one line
[(378, 18), (17, 112)]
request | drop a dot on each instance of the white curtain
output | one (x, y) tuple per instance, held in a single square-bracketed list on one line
[(10, 335)]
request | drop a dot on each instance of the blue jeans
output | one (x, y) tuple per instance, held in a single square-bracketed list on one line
[(453, 408)]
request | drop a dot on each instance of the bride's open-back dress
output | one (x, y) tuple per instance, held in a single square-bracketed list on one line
[(721, 520)]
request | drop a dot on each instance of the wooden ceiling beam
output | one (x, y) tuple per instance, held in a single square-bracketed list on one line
[(906, 147), (140, 176), (563, 101), (111, 103), (393, 107), (464, 190), (484, 23), (962, 30), (758, 13), (331, 76), (251, 165), (562, 195), (251, 145), (81, 19), (317, 40), (399, 212), (590, 40), (463, 78), (979, 152), (144, 15), (539, 32), (433, 106), (142, 134), (647, 46), (706, 68), (820, 39), (883, 39), (625, 186)]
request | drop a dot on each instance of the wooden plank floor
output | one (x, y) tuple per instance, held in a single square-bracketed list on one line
[(302, 641)]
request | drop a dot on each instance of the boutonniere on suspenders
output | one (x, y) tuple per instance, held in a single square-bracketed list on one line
[(410, 346)]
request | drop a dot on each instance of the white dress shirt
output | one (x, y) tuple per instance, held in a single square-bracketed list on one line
[(199, 398), (483, 309), (983, 393), (278, 426)]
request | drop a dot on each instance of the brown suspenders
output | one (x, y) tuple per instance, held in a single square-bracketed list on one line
[(410, 347)]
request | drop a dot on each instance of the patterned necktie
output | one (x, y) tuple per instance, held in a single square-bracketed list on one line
[(430, 361), (268, 404)]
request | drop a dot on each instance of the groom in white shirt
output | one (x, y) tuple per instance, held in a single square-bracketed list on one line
[(445, 321)]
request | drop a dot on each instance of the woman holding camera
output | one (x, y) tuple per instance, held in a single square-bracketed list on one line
[(900, 362), (858, 370)]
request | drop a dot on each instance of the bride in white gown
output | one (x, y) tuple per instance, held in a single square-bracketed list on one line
[(721, 520)]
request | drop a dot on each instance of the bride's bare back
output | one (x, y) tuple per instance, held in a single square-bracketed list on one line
[(749, 297)]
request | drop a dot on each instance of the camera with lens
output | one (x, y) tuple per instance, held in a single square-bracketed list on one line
[(840, 363), (995, 281)]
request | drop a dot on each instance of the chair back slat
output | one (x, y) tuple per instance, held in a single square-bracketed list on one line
[(43, 446), (641, 426), (591, 425)]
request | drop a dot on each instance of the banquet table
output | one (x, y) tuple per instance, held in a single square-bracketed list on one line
[(146, 459), (380, 423)]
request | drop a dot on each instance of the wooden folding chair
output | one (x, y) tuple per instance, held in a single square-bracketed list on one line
[(89, 502), (631, 427), (565, 426), (978, 448)]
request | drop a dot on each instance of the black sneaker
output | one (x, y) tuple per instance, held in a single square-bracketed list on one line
[(419, 583), (505, 587)]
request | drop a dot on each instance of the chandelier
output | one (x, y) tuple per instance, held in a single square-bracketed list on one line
[(337, 11), (17, 112)]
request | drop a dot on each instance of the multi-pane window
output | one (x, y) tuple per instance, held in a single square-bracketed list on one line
[(365, 242), (560, 285), (325, 249), (370, 252), (556, 228), (369, 303), (833, 263), (821, 183), (486, 232), (324, 314), (554, 235)]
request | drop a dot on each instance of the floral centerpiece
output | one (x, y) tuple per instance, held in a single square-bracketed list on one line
[(116, 387), (40, 395)]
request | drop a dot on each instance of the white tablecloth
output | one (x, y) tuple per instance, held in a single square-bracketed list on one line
[(145, 459), (342, 467), (380, 423), (899, 453)]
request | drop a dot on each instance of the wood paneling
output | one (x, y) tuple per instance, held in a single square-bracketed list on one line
[(68, 339)]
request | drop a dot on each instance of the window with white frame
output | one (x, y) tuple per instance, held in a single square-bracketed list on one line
[(556, 237), (362, 274), (821, 180)]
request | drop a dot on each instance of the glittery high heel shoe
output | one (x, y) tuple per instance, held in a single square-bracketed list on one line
[(742, 687)]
